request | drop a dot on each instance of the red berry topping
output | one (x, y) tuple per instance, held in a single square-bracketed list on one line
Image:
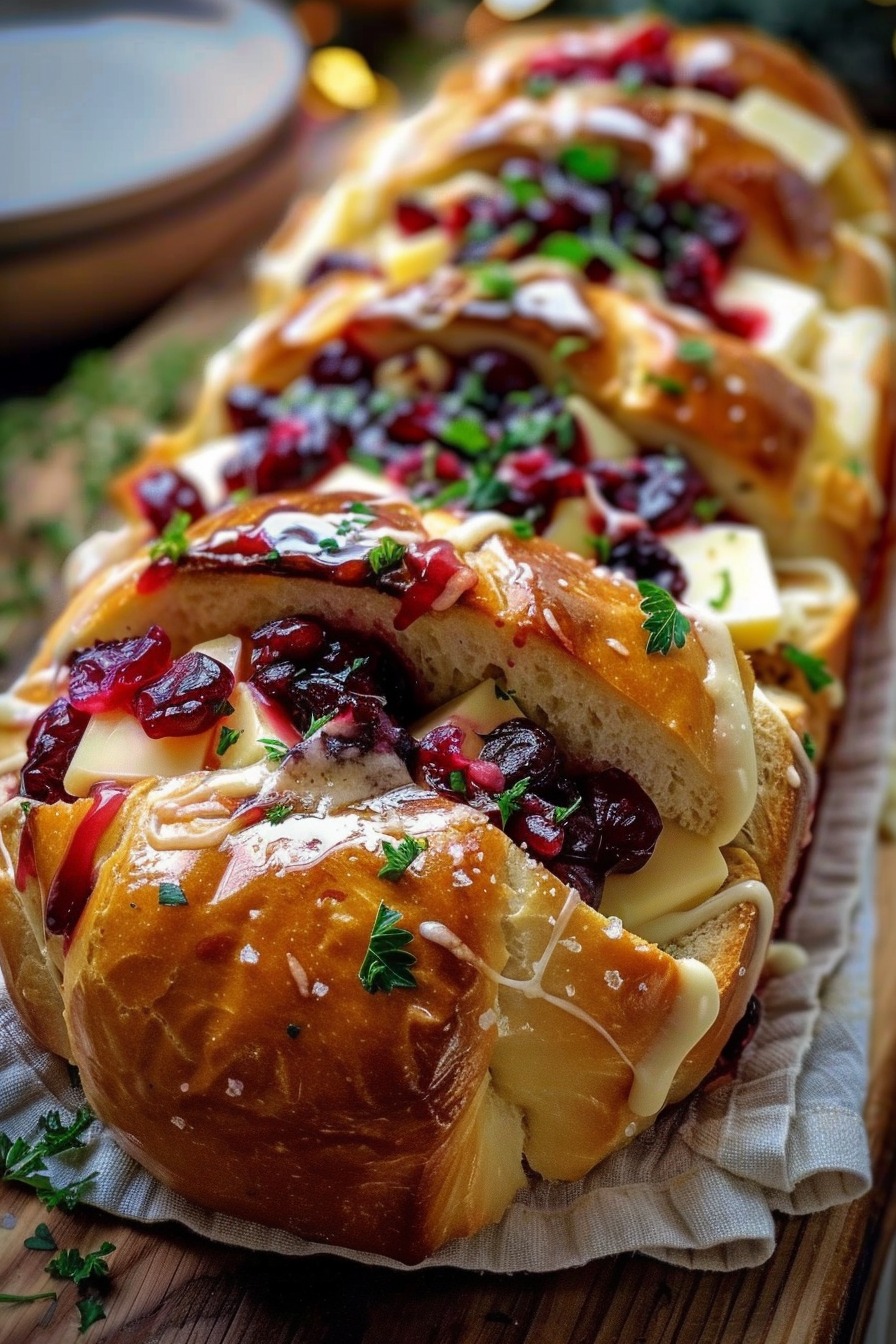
[(52, 743), (107, 676), (189, 698)]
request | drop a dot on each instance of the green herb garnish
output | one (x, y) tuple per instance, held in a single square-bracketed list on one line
[(316, 724), (386, 965), (673, 387), (568, 247), (694, 350), (602, 544), (329, 544), (400, 857), (26, 1162), (509, 801), (227, 738), (386, 555), (809, 746), (495, 280), (708, 508), (523, 528), (274, 749), (457, 781), (467, 434), (814, 669), (172, 544), (568, 345), (71, 1264), (279, 812), (91, 1310), (41, 1239), (540, 86), (171, 893), (591, 163), (524, 190), (723, 597), (27, 1297), (665, 624), (561, 813)]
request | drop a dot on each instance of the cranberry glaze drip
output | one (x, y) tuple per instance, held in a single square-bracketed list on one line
[(75, 878), (641, 59)]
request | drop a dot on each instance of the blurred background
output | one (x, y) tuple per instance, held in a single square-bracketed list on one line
[(150, 147)]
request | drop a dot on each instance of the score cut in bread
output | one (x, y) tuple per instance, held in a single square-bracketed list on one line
[(228, 910)]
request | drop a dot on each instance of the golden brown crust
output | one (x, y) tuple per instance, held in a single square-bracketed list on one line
[(762, 433)]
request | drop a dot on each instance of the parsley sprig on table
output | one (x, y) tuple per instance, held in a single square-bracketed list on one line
[(26, 1162)]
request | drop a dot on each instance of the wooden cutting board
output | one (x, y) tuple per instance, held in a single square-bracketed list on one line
[(169, 1286)]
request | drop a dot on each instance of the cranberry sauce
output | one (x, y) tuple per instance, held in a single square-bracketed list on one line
[(641, 59), (580, 825), (357, 547), (585, 209), (74, 880), (51, 744)]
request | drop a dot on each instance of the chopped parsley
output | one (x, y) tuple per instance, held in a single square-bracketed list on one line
[(708, 508), (91, 1310), (567, 247), (71, 1264), (317, 723), (523, 528), (809, 746), (41, 1239), (387, 965), (457, 781), (524, 190), (227, 738), (591, 163), (279, 812), (694, 350), (274, 749), (25, 1162), (561, 813), (602, 545), (171, 893), (467, 434), (495, 280), (26, 806), (386, 555), (362, 507), (400, 857), (509, 801), (723, 597), (172, 544), (540, 86), (814, 669), (665, 624), (329, 544), (673, 387), (568, 345)]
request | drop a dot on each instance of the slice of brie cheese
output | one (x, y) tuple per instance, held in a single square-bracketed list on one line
[(570, 527), (792, 311), (605, 441), (114, 746), (406, 259), (813, 146), (849, 343), (682, 871), (728, 569)]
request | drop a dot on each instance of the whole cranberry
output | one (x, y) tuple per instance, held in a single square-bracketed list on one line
[(523, 750), (107, 676), (292, 638), (503, 372), (643, 556), (342, 363), (189, 698), (247, 406), (163, 493), (51, 744)]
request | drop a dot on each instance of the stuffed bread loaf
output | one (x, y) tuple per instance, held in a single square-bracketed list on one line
[(467, 321), (216, 1011)]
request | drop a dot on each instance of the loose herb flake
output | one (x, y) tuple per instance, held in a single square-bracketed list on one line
[(386, 965), (694, 350), (814, 669), (567, 346), (400, 857), (278, 813), (665, 624), (227, 738), (808, 747), (91, 1310), (25, 1162), (457, 781), (602, 545), (495, 280), (723, 597), (522, 528), (509, 801), (568, 247), (561, 813), (592, 163), (172, 544), (71, 1264), (317, 723), (42, 1239), (171, 893), (467, 434), (708, 508), (386, 555), (673, 387), (274, 749)]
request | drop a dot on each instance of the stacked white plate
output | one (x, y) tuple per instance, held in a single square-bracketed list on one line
[(141, 140)]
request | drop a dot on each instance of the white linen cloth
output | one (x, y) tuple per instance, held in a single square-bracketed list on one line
[(701, 1187)]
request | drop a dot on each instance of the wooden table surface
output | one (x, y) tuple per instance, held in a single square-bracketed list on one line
[(169, 1286)]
